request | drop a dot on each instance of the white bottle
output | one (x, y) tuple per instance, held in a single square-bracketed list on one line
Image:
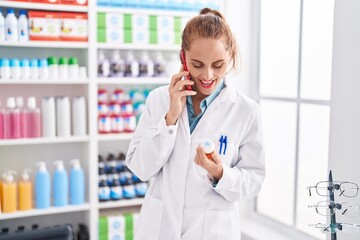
[(159, 65), (79, 116), (2, 27), (5, 69), (25, 69), (11, 26), (23, 117), (131, 65), (74, 69), (15, 69), (103, 65), (23, 26), (43, 69), (146, 66), (48, 117), (63, 119), (34, 69), (117, 65), (63, 69)]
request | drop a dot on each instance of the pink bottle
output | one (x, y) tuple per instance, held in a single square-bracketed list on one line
[(33, 115), (11, 120), (23, 118), (1, 122)]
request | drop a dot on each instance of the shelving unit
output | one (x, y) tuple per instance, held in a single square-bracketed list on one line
[(133, 81), (31, 141), (54, 82)]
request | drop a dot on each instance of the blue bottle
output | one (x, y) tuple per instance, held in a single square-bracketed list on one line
[(61, 185), (42, 186), (77, 183)]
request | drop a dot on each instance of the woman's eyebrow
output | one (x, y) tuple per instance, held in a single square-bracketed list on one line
[(218, 61)]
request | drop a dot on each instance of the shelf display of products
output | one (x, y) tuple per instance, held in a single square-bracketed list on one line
[(118, 226)]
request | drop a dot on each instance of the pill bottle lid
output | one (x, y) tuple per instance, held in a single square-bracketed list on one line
[(207, 145)]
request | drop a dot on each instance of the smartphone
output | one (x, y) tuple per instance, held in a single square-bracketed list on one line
[(183, 62)]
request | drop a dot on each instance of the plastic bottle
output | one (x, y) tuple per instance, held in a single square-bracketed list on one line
[(53, 68), (11, 26), (208, 146), (25, 69), (131, 65), (33, 115), (23, 117), (73, 68), (15, 69), (104, 190), (43, 69), (23, 26), (60, 185), (77, 183), (117, 65), (12, 119), (116, 192), (159, 65), (9, 192), (5, 68), (48, 117), (103, 65), (2, 115), (42, 186), (25, 191), (34, 69), (2, 26), (63, 119), (79, 116), (63, 68), (146, 66)]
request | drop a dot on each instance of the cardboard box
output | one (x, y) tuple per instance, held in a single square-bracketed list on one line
[(74, 27), (114, 20), (75, 2), (44, 25), (46, 1), (114, 35), (101, 35)]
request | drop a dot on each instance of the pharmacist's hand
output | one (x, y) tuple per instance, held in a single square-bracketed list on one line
[(213, 166), (178, 95)]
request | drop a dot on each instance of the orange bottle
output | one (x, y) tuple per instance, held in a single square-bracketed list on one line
[(25, 191), (9, 193)]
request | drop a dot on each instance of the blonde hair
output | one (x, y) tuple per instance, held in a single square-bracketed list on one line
[(210, 24)]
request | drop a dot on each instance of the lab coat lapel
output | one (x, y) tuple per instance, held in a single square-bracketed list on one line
[(185, 127)]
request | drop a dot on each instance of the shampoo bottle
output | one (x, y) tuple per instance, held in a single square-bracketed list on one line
[(79, 116), (77, 183), (42, 186), (23, 118), (63, 119), (33, 115), (25, 191), (48, 117), (61, 185), (9, 192)]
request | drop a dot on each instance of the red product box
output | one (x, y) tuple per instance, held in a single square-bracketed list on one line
[(75, 2), (74, 27), (46, 1), (44, 25)]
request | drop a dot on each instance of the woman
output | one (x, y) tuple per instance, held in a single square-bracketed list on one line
[(192, 196)]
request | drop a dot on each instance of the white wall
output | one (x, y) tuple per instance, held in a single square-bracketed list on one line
[(345, 100)]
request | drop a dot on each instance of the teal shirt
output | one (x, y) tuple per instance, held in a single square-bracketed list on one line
[(204, 104)]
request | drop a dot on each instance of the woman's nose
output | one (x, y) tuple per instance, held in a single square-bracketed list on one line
[(208, 73)]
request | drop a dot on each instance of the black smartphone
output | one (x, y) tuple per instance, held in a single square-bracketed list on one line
[(183, 62)]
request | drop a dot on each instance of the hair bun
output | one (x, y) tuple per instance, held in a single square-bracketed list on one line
[(211, 11)]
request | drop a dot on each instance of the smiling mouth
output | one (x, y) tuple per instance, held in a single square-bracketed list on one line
[(207, 84)]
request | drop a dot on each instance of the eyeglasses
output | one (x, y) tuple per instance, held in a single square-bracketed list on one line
[(349, 209), (332, 228), (326, 188)]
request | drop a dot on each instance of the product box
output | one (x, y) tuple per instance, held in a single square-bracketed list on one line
[(141, 36), (75, 2), (103, 2), (117, 236), (101, 35), (116, 224), (101, 20), (118, 3), (103, 225), (165, 23), (166, 37), (44, 25), (136, 21), (114, 20), (114, 35), (74, 27), (46, 1)]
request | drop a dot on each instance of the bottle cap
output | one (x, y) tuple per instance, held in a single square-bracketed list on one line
[(10, 10), (63, 61), (207, 145), (10, 102), (43, 62), (22, 12), (24, 62), (14, 62), (101, 55), (34, 62), (31, 102), (26, 175), (59, 165), (75, 163), (19, 102), (73, 61), (52, 60), (41, 166), (116, 55), (4, 62), (9, 176)]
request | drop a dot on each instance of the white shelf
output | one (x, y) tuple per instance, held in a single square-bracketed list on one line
[(146, 11), (47, 211), (121, 203), (148, 47), (67, 82), (115, 137), (136, 80), (31, 141), (43, 6), (46, 44)]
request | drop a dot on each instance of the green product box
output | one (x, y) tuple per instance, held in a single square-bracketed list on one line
[(128, 36), (177, 24), (177, 37), (101, 20), (103, 237), (153, 22), (127, 21), (153, 37), (101, 35), (103, 226), (129, 227)]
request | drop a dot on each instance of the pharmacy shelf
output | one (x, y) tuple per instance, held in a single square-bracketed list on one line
[(122, 203), (146, 11), (142, 47), (57, 82), (43, 6), (47, 44), (31, 141), (42, 212), (136, 80), (115, 137)]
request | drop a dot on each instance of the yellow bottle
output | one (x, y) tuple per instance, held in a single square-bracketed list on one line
[(9, 193), (25, 191)]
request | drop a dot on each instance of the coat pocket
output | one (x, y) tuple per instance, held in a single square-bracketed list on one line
[(149, 224), (220, 225)]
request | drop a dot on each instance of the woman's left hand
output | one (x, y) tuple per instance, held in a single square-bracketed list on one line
[(213, 165)]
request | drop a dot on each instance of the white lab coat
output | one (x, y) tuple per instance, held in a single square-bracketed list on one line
[(181, 202)]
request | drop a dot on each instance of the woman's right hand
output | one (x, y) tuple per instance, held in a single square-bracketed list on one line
[(178, 93)]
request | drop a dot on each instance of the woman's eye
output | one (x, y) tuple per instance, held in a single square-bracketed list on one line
[(197, 65), (218, 65)]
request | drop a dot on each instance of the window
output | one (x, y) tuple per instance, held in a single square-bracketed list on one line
[(295, 56)]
